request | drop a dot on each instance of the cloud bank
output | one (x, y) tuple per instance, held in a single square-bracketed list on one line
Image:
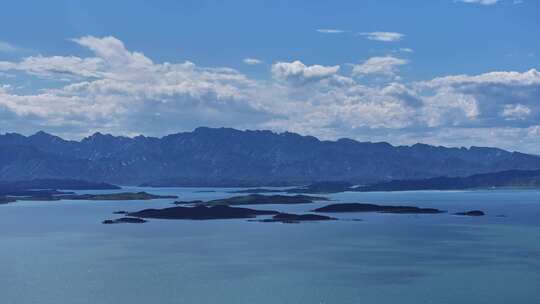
[(125, 92)]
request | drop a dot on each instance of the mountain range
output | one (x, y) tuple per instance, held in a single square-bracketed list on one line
[(230, 157)]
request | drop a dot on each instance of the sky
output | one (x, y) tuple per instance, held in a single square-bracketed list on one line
[(441, 72)]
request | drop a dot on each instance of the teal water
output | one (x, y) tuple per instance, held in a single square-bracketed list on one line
[(59, 252)]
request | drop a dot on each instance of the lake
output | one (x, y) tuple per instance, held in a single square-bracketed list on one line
[(59, 252)]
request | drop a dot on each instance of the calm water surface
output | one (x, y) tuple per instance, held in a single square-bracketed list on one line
[(59, 252)]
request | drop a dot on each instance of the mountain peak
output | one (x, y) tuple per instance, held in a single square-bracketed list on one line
[(43, 136)]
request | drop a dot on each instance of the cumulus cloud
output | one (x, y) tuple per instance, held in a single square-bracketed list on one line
[(118, 84), (516, 111), (511, 95), (385, 66), (125, 92), (299, 72), (383, 36)]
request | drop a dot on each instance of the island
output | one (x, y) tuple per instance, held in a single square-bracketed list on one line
[(324, 188), (358, 207), (47, 190), (258, 199), (6, 200), (215, 213), (258, 190), (194, 202), (58, 196), (201, 213), (124, 196), (289, 218), (125, 220), (471, 213)]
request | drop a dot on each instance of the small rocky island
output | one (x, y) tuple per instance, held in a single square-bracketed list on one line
[(125, 220), (358, 207), (471, 213)]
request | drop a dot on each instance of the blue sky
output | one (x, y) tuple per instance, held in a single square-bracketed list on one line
[(442, 72)]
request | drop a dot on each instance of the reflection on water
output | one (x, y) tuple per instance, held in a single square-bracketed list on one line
[(58, 252)]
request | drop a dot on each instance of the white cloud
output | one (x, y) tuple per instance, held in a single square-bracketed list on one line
[(531, 77), (52, 67), (516, 111), (383, 36), (406, 50), (330, 31), (385, 66), (252, 61), (7, 47), (482, 2), (298, 71), (117, 83), (511, 95), (124, 92)]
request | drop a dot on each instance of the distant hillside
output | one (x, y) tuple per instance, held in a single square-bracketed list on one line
[(511, 178), (55, 184), (231, 157), (48, 187)]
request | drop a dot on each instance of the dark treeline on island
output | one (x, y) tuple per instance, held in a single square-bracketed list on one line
[(212, 211), (228, 157)]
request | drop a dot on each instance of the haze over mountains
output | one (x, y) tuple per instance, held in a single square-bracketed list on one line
[(229, 157)]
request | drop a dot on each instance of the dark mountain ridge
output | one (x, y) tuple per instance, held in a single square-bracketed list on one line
[(230, 157)]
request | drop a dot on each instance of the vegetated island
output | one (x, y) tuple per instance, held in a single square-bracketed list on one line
[(125, 220), (358, 207), (201, 213), (258, 199), (47, 190), (125, 196), (289, 218), (471, 213), (217, 212)]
